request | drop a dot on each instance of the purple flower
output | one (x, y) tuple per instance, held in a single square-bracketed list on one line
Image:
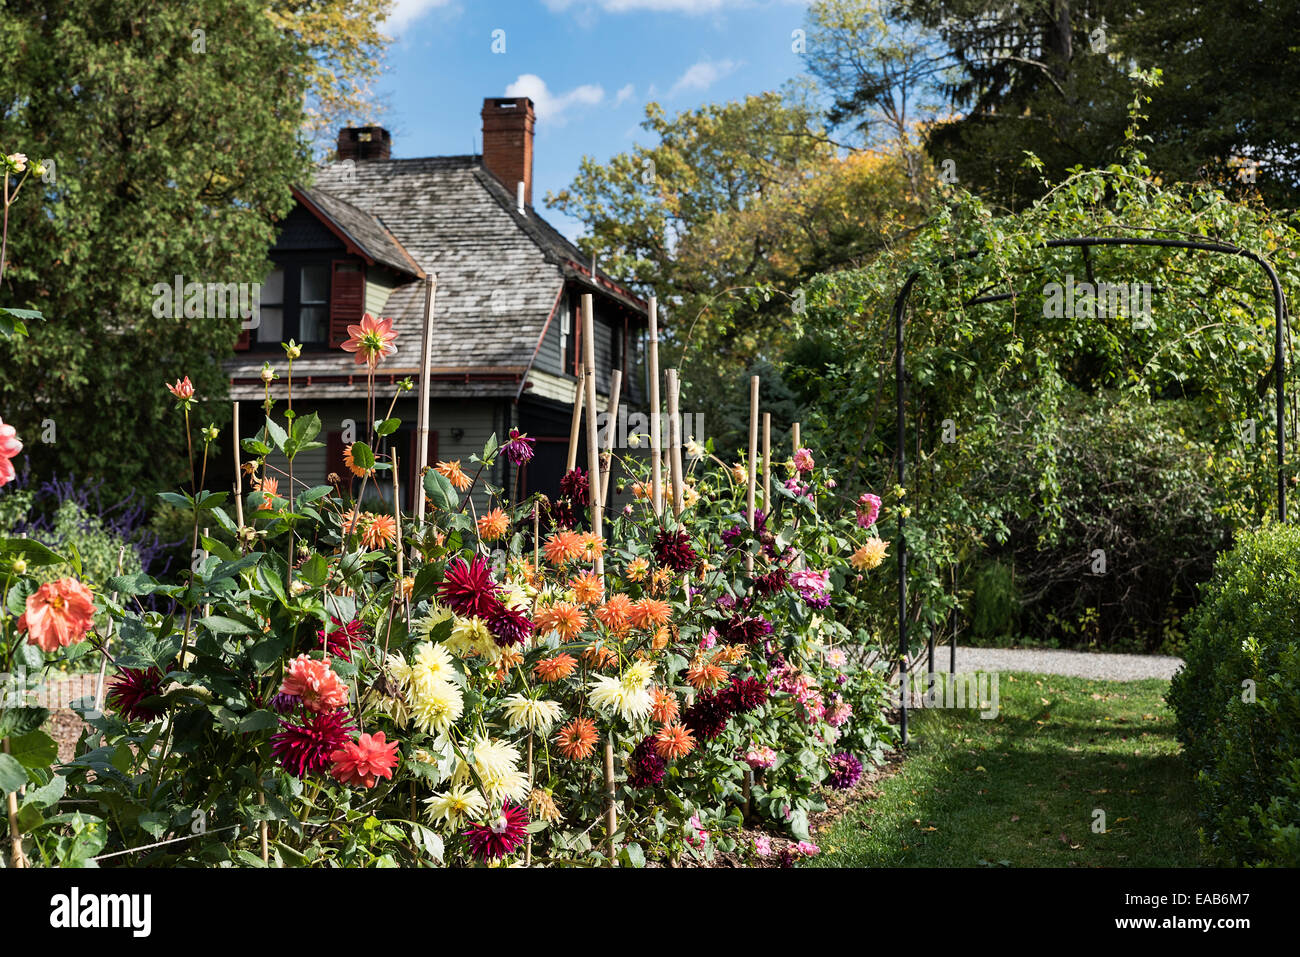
[(519, 450), (645, 768), (845, 771)]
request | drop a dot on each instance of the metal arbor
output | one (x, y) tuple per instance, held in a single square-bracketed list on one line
[(900, 372)]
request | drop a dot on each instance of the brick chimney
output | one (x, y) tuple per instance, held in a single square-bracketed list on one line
[(364, 143), (508, 142)]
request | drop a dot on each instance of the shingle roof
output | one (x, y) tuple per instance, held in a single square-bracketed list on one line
[(362, 230)]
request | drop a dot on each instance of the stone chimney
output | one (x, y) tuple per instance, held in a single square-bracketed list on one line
[(364, 143), (508, 142)]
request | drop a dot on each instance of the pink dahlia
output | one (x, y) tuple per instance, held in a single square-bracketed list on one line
[(365, 761), (468, 589), (803, 460), (319, 687), (868, 509), (305, 748), (9, 448), (58, 614), (371, 341), (519, 450), (504, 835)]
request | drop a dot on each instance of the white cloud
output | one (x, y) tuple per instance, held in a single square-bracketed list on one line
[(703, 75), (406, 12), (551, 107), (624, 94)]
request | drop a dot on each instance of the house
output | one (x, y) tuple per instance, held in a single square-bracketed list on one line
[(506, 334)]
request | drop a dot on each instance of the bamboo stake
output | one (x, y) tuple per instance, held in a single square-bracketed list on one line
[(422, 426), (607, 462), (239, 475), (767, 462), (751, 462), (794, 438), (16, 856), (597, 528), (576, 423), (673, 387), (656, 440)]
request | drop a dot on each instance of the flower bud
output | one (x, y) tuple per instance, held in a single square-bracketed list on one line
[(20, 566)]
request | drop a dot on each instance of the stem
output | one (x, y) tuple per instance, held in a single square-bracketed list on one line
[(16, 855)]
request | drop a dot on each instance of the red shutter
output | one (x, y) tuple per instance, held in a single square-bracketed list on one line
[(244, 342), (334, 453), (347, 299)]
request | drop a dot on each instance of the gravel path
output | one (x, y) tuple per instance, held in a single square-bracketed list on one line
[(1049, 661)]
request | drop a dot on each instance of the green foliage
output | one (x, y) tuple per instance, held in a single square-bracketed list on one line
[(995, 602), (1237, 701)]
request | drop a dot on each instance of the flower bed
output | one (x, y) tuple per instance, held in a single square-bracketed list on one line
[(344, 688)]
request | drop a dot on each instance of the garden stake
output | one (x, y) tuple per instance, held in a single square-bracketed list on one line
[(674, 439), (611, 810), (656, 440), (593, 445), (767, 462), (239, 476), (607, 463), (16, 856), (576, 422), (752, 463), (422, 426)]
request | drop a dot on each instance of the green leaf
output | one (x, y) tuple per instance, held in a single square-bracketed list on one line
[(314, 571), (278, 436), (363, 456), (266, 654), (47, 794), (221, 625), (388, 426), (36, 749), (260, 720), (15, 721), (439, 490), (33, 552), (12, 774)]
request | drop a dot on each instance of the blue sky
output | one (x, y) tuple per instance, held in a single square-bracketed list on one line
[(589, 65)]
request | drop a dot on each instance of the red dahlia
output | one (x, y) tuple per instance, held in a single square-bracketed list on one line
[(674, 550), (468, 589), (509, 626), (496, 838), (131, 688), (304, 748), (342, 638)]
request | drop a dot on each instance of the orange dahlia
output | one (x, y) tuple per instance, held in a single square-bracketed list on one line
[(673, 741), (378, 531), (704, 675), (660, 639), (664, 709), (614, 614), (577, 739), (351, 463), (269, 487), (646, 612), (562, 547), (452, 473), (493, 525), (593, 546), (730, 654), (555, 669), (563, 617), (636, 569), (588, 589), (600, 657), (57, 614)]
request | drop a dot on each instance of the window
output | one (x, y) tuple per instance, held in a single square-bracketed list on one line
[(294, 305), (570, 360)]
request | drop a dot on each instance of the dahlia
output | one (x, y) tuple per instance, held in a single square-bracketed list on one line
[(183, 389), (868, 509), (468, 589), (341, 638), (744, 694), (813, 587), (613, 695), (615, 613), (509, 626), (707, 717), (457, 803), (10, 446), (771, 583), (636, 569), (305, 748), (760, 758), (674, 550), (519, 449), (702, 674), (839, 712), (664, 709), (845, 770), (870, 555), (497, 764), (673, 741), (564, 618), (451, 471), (542, 803), (574, 487), (493, 525), (58, 614), (648, 612), (743, 629), (131, 688), (555, 669), (645, 766), (319, 687), (371, 341), (588, 589), (600, 657), (538, 716), (500, 836), (562, 547), (577, 739), (593, 546), (365, 761), (436, 706), (803, 460)]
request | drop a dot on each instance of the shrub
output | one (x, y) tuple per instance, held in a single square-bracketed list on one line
[(1237, 701)]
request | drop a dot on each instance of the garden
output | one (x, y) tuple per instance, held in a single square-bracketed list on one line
[(1053, 416)]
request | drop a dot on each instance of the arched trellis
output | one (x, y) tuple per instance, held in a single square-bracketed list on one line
[(1084, 242)]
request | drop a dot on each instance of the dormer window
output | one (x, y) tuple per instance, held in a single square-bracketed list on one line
[(295, 304)]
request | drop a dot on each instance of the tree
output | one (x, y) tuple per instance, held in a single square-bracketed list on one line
[(174, 134)]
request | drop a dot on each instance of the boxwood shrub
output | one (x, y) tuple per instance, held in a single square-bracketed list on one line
[(1237, 701)]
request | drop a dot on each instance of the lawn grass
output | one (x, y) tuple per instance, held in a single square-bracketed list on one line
[(1020, 790)]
